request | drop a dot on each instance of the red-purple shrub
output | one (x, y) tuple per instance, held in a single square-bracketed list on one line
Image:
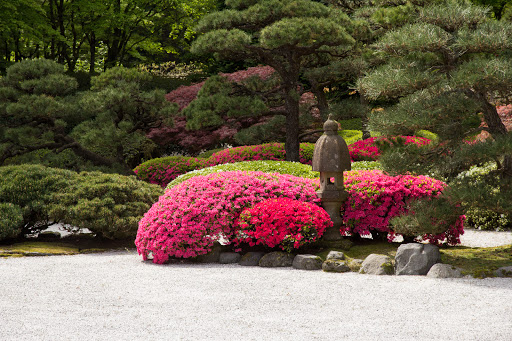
[(367, 150), (161, 171), (282, 222), (267, 151), (375, 198), (190, 217)]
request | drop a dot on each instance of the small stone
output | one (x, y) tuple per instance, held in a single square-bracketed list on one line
[(377, 265), (276, 259), (229, 257), (335, 265), (335, 255), (444, 271), (416, 259), (307, 262), (505, 271), (251, 258)]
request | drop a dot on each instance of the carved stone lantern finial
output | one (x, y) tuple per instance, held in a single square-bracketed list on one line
[(331, 158)]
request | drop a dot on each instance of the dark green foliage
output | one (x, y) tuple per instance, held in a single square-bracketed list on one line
[(109, 205), (32, 188), (446, 72), (291, 36), (11, 221)]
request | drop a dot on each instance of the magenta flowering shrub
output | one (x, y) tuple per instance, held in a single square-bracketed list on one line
[(282, 222), (367, 150), (161, 171), (267, 151), (190, 217), (375, 198)]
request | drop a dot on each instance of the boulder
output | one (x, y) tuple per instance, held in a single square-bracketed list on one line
[(355, 264), (505, 271), (276, 259), (211, 257), (307, 262), (229, 257), (335, 265), (377, 265), (251, 258), (439, 270), (416, 259), (335, 255)]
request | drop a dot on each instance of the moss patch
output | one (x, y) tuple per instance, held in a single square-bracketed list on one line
[(478, 262)]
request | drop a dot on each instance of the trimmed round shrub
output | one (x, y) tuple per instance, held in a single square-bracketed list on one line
[(32, 187), (375, 198), (267, 166), (268, 151), (11, 221), (110, 205), (161, 171), (282, 222), (190, 217), (368, 150)]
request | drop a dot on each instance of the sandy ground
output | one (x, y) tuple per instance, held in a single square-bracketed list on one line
[(117, 296)]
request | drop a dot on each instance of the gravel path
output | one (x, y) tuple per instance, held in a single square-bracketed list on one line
[(116, 296)]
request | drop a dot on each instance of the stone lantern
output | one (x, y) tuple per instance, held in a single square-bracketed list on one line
[(331, 158)]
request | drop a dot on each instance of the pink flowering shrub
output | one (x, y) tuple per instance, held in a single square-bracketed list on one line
[(375, 198), (267, 151), (190, 217), (282, 222), (161, 171), (367, 150)]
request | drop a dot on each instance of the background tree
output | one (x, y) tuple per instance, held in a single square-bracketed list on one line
[(446, 72), (281, 34), (40, 111)]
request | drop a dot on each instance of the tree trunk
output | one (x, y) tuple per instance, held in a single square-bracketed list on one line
[(292, 144), (364, 117), (92, 52)]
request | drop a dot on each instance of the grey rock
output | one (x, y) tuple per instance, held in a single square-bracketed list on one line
[(229, 257), (355, 264), (276, 259), (377, 265), (444, 271), (211, 257), (416, 259), (335, 255), (335, 265), (251, 258), (307, 262), (505, 271)]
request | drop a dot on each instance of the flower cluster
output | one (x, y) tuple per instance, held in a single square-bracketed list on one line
[(163, 170), (267, 151), (190, 217), (367, 150), (375, 198), (282, 222)]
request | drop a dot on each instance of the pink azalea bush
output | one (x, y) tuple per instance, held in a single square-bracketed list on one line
[(161, 171), (375, 198), (367, 150), (282, 222), (190, 217)]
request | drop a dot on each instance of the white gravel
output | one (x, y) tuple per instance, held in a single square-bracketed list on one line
[(116, 296)]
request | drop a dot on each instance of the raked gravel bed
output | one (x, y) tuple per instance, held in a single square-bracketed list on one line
[(117, 296)]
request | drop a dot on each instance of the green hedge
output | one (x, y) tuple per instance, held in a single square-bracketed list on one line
[(11, 220), (107, 204)]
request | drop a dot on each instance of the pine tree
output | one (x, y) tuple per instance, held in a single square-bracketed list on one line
[(288, 35), (446, 73)]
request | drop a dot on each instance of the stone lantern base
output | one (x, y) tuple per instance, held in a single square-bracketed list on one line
[(331, 202)]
